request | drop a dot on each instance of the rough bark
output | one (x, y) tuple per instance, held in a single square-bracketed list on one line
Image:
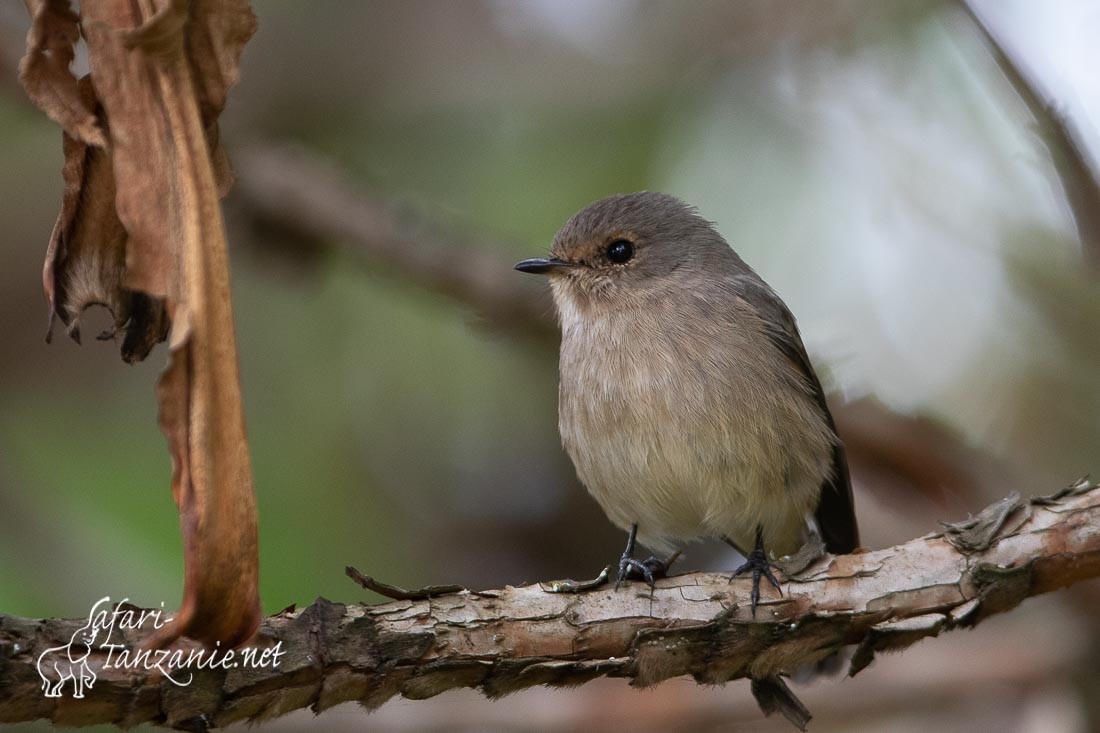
[(697, 624)]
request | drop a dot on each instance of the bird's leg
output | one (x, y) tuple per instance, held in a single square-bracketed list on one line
[(757, 562), (650, 569)]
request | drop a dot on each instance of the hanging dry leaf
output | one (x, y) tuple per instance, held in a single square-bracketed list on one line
[(140, 231), (45, 72), (86, 257)]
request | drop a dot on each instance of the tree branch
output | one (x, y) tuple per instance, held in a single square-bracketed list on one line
[(696, 624), (1057, 131), (296, 194)]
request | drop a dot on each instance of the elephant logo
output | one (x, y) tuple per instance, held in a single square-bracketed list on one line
[(57, 665)]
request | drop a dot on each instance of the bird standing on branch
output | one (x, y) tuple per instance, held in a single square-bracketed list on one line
[(687, 401)]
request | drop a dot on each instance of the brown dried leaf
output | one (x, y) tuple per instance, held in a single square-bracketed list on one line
[(214, 46), (140, 231), (44, 71), (216, 32), (86, 257)]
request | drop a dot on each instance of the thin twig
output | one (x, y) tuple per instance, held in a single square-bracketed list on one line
[(397, 593)]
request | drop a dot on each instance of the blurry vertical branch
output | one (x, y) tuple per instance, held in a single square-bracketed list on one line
[(140, 231), (1057, 132)]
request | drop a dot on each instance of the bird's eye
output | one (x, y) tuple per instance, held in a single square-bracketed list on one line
[(620, 251)]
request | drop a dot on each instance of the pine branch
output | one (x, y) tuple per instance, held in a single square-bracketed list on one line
[(500, 641)]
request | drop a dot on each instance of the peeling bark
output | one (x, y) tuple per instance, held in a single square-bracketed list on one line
[(697, 624)]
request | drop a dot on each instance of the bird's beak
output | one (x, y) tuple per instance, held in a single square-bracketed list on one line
[(542, 265)]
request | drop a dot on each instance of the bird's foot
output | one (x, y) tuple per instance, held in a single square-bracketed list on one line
[(650, 569), (757, 562)]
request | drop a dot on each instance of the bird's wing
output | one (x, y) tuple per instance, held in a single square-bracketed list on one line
[(835, 513)]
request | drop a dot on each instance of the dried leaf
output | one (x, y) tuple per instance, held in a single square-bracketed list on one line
[(214, 50), (219, 30), (215, 34), (140, 231), (86, 257), (45, 74)]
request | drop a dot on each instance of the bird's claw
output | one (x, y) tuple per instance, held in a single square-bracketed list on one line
[(758, 563), (649, 569)]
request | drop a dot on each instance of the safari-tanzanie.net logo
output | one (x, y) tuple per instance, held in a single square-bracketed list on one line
[(70, 662)]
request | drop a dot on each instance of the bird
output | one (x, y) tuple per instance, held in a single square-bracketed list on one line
[(686, 401)]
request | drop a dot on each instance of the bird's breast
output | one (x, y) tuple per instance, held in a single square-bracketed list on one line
[(669, 424), (634, 418), (624, 375)]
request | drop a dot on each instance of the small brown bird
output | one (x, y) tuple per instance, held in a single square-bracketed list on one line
[(687, 401)]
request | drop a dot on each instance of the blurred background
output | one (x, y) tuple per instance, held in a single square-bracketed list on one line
[(917, 178)]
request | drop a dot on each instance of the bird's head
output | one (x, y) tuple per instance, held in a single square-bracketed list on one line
[(627, 248)]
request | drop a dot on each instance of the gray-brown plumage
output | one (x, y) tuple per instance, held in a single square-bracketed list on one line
[(687, 402)]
